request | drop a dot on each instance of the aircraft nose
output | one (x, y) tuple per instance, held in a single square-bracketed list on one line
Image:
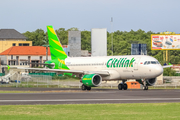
[(158, 70)]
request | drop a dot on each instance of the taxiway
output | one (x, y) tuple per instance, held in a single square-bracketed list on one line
[(76, 96)]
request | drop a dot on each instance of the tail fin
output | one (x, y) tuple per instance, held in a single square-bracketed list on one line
[(8, 67), (55, 45)]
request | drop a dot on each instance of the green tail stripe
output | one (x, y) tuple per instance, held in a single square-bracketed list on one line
[(55, 46), (8, 67)]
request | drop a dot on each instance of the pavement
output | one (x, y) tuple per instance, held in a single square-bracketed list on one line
[(95, 96)]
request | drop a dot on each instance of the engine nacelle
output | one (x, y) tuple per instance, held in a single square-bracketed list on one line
[(92, 80), (149, 82)]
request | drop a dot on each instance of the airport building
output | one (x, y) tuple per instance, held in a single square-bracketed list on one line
[(22, 55), (138, 49), (74, 42), (99, 42), (11, 37)]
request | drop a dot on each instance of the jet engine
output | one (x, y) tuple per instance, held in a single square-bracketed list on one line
[(92, 80), (149, 82)]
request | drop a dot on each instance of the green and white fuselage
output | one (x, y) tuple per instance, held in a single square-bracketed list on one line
[(119, 67), (93, 70)]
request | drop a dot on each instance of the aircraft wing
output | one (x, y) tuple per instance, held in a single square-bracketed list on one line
[(103, 73), (166, 66)]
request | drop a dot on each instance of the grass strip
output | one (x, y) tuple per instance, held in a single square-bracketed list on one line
[(139, 111)]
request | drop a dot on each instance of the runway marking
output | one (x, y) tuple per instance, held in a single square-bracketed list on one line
[(70, 100), (52, 92)]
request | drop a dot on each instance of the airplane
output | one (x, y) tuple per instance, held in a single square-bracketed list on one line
[(93, 70)]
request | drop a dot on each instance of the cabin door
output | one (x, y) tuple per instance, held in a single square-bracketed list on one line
[(136, 62)]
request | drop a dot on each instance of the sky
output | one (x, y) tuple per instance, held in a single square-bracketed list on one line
[(148, 15)]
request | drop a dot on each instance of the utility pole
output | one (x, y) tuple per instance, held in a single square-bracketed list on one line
[(46, 53), (112, 33)]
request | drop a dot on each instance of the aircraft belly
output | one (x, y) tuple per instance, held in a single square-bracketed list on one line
[(125, 73), (136, 75), (114, 75), (129, 74)]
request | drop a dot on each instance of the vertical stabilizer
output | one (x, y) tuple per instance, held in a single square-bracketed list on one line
[(56, 49)]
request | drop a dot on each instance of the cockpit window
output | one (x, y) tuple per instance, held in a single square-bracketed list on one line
[(148, 62), (153, 62)]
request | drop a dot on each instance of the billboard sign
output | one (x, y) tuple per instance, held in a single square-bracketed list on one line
[(165, 42)]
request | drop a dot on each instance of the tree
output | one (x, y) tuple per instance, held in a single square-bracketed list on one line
[(73, 29), (62, 35), (169, 72), (86, 40), (122, 41), (37, 37)]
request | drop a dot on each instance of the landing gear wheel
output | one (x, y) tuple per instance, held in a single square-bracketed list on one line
[(120, 86), (145, 87), (125, 86), (83, 87), (88, 88)]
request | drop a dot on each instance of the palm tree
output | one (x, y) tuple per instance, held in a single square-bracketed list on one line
[(46, 44)]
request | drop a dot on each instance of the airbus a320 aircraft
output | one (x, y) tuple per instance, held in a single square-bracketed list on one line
[(93, 70)]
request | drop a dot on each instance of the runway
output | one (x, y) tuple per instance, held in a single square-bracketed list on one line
[(95, 96)]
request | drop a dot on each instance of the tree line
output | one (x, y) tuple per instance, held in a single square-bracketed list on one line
[(122, 41)]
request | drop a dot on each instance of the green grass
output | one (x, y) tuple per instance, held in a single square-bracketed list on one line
[(142, 111), (164, 87)]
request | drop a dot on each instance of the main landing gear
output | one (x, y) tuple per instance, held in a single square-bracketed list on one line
[(122, 86), (144, 86), (83, 87)]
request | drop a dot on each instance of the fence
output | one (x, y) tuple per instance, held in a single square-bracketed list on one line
[(36, 81), (47, 81), (44, 81), (166, 86)]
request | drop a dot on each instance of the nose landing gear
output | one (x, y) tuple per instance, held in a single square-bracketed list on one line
[(144, 86)]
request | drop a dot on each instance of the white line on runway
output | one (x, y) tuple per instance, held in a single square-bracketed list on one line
[(64, 92), (70, 100)]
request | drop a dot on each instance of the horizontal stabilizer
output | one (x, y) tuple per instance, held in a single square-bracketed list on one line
[(166, 66)]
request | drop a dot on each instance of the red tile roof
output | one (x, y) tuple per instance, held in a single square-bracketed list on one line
[(26, 50)]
